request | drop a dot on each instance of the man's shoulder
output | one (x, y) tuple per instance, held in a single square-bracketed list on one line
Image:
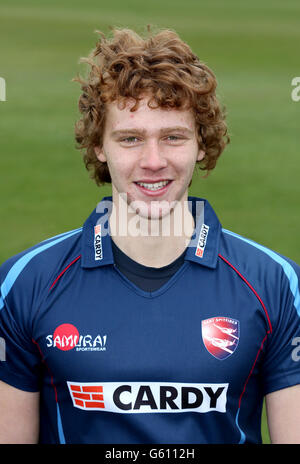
[(35, 266), (257, 262), (244, 248)]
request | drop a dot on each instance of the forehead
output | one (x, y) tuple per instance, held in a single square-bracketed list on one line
[(119, 116)]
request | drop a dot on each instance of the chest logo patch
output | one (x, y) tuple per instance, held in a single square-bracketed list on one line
[(66, 337), (220, 336)]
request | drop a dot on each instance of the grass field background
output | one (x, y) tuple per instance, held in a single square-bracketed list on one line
[(253, 47)]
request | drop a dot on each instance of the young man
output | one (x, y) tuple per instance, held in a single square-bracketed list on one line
[(151, 324)]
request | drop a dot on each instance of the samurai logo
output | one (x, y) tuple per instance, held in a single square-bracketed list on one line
[(66, 337), (220, 336)]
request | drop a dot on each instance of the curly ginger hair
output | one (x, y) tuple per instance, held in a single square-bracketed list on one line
[(161, 65)]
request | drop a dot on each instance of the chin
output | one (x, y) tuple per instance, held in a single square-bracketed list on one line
[(154, 210), (152, 214)]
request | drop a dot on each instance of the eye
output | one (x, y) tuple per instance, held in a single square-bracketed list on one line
[(130, 139), (175, 138)]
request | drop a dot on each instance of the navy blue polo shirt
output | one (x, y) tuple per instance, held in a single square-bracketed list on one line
[(189, 362)]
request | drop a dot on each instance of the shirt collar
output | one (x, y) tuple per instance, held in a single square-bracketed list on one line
[(203, 249), (204, 245)]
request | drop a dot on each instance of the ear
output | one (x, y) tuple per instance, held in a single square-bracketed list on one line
[(100, 154), (201, 154)]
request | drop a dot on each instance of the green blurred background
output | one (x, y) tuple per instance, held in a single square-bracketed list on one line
[(253, 47)]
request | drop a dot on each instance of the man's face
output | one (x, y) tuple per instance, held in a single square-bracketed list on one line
[(151, 155)]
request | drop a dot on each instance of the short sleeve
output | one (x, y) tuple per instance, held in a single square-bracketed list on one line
[(20, 360), (281, 363)]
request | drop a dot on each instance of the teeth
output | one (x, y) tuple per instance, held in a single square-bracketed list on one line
[(155, 186)]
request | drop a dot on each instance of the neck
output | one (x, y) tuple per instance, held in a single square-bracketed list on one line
[(151, 242)]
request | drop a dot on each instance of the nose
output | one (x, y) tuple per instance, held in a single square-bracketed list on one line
[(152, 157)]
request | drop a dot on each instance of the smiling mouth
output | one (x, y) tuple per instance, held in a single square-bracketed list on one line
[(154, 186)]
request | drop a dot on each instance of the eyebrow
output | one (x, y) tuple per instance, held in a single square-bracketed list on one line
[(164, 130)]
